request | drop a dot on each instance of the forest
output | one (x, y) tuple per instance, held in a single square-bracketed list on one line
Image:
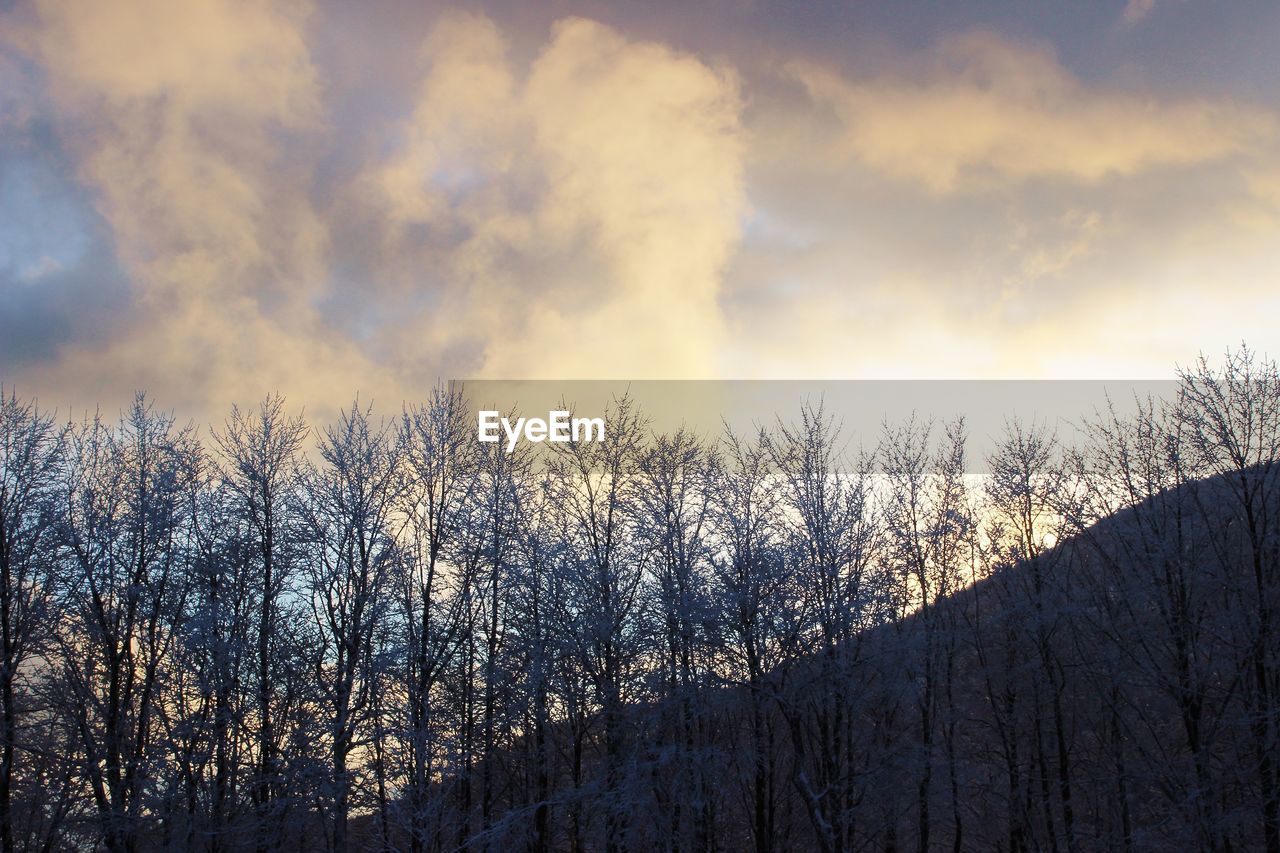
[(383, 634)]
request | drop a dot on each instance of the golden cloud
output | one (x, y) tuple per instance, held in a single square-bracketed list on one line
[(593, 204), (177, 115), (985, 111), (620, 161)]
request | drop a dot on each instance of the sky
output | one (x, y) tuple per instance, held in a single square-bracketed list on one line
[(212, 200)]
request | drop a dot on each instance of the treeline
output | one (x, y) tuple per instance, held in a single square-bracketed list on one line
[(385, 635)]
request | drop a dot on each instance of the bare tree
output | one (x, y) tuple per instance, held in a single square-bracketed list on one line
[(1025, 493), (832, 537), (930, 523), (673, 496), (418, 641), (127, 529), (346, 514), (31, 477), (757, 606), (1231, 418), (440, 463), (594, 484), (260, 457)]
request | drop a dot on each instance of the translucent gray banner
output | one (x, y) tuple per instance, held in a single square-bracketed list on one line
[(862, 408)]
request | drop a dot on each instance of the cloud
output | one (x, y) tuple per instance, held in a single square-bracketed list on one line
[(521, 219), (180, 118), (574, 199), (570, 217), (980, 111), (977, 210), (586, 207)]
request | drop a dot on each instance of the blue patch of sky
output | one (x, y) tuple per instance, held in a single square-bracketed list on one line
[(59, 276)]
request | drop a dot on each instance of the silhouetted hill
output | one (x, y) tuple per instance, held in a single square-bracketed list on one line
[(1090, 698)]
